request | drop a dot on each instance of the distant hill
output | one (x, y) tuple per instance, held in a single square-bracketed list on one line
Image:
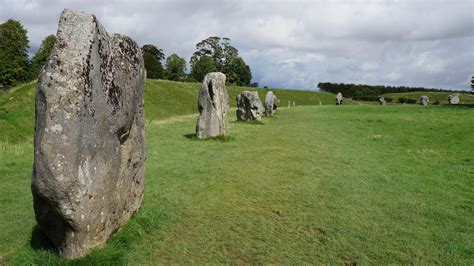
[(372, 92), (442, 97), (163, 99)]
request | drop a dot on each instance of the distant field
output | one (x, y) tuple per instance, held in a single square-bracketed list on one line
[(316, 184), (163, 99), (442, 97)]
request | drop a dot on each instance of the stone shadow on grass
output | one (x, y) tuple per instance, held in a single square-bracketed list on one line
[(250, 122), (221, 138), (39, 241)]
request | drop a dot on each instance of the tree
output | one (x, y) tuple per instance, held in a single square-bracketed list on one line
[(175, 67), (152, 56), (238, 72), (41, 56), (201, 67), (14, 66), (225, 59)]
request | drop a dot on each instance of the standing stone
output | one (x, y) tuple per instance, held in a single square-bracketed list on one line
[(271, 103), (90, 151), (249, 106), (424, 100), (339, 99), (453, 98), (213, 106), (382, 100), (289, 104), (294, 104)]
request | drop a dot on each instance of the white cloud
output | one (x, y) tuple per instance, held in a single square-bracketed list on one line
[(294, 44)]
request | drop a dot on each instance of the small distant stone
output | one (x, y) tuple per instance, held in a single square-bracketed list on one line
[(339, 99), (453, 98), (249, 106), (271, 104), (213, 106), (424, 100), (382, 101)]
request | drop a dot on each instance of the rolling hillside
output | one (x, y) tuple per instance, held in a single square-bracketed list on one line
[(442, 97), (163, 99)]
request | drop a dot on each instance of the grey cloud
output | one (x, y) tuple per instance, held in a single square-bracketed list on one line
[(295, 44)]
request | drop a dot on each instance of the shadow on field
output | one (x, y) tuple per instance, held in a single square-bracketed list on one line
[(221, 138), (250, 122), (190, 136), (39, 241)]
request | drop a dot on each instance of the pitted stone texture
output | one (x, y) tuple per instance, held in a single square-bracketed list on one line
[(424, 100), (249, 106), (339, 99), (271, 103), (382, 100), (453, 98), (90, 151), (213, 106)]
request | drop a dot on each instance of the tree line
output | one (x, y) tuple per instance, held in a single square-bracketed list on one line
[(212, 54), (370, 92)]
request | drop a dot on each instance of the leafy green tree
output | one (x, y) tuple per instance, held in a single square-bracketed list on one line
[(15, 65), (238, 72), (153, 56), (175, 68), (201, 67), (225, 58), (41, 56)]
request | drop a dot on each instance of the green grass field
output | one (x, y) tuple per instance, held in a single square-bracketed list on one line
[(315, 184), (163, 99), (441, 97)]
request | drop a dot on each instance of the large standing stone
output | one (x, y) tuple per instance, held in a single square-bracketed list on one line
[(213, 106), (339, 99), (382, 100), (249, 106), (90, 151), (424, 100), (271, 103), (453, 98)]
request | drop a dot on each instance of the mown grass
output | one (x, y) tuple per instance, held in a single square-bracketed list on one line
[(163, 99), (317, 184), (441, 97)]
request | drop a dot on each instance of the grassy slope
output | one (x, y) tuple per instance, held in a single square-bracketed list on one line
[(365, 184), (163, 99), (442, 97)]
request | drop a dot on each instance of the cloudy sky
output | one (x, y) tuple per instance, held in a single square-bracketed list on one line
[(294, 44)]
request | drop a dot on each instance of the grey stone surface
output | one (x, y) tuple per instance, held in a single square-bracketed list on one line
[(339, 99), (249, 106), (271, 103), (424, 100), (453, 98), (382, 100), (90, 150), (213, 106)]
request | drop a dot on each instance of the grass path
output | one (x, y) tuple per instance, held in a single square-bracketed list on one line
[(322, 184)]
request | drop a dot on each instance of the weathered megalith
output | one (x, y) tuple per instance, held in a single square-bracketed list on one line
[(213, 106), (249, 106), (271, 103), (90, 151), (424, 100), (382, 100), (339, 99), (453, 98)]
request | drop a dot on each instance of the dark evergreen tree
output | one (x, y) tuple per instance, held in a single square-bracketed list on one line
[(15, 65), (41, 56), (153, 56)]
